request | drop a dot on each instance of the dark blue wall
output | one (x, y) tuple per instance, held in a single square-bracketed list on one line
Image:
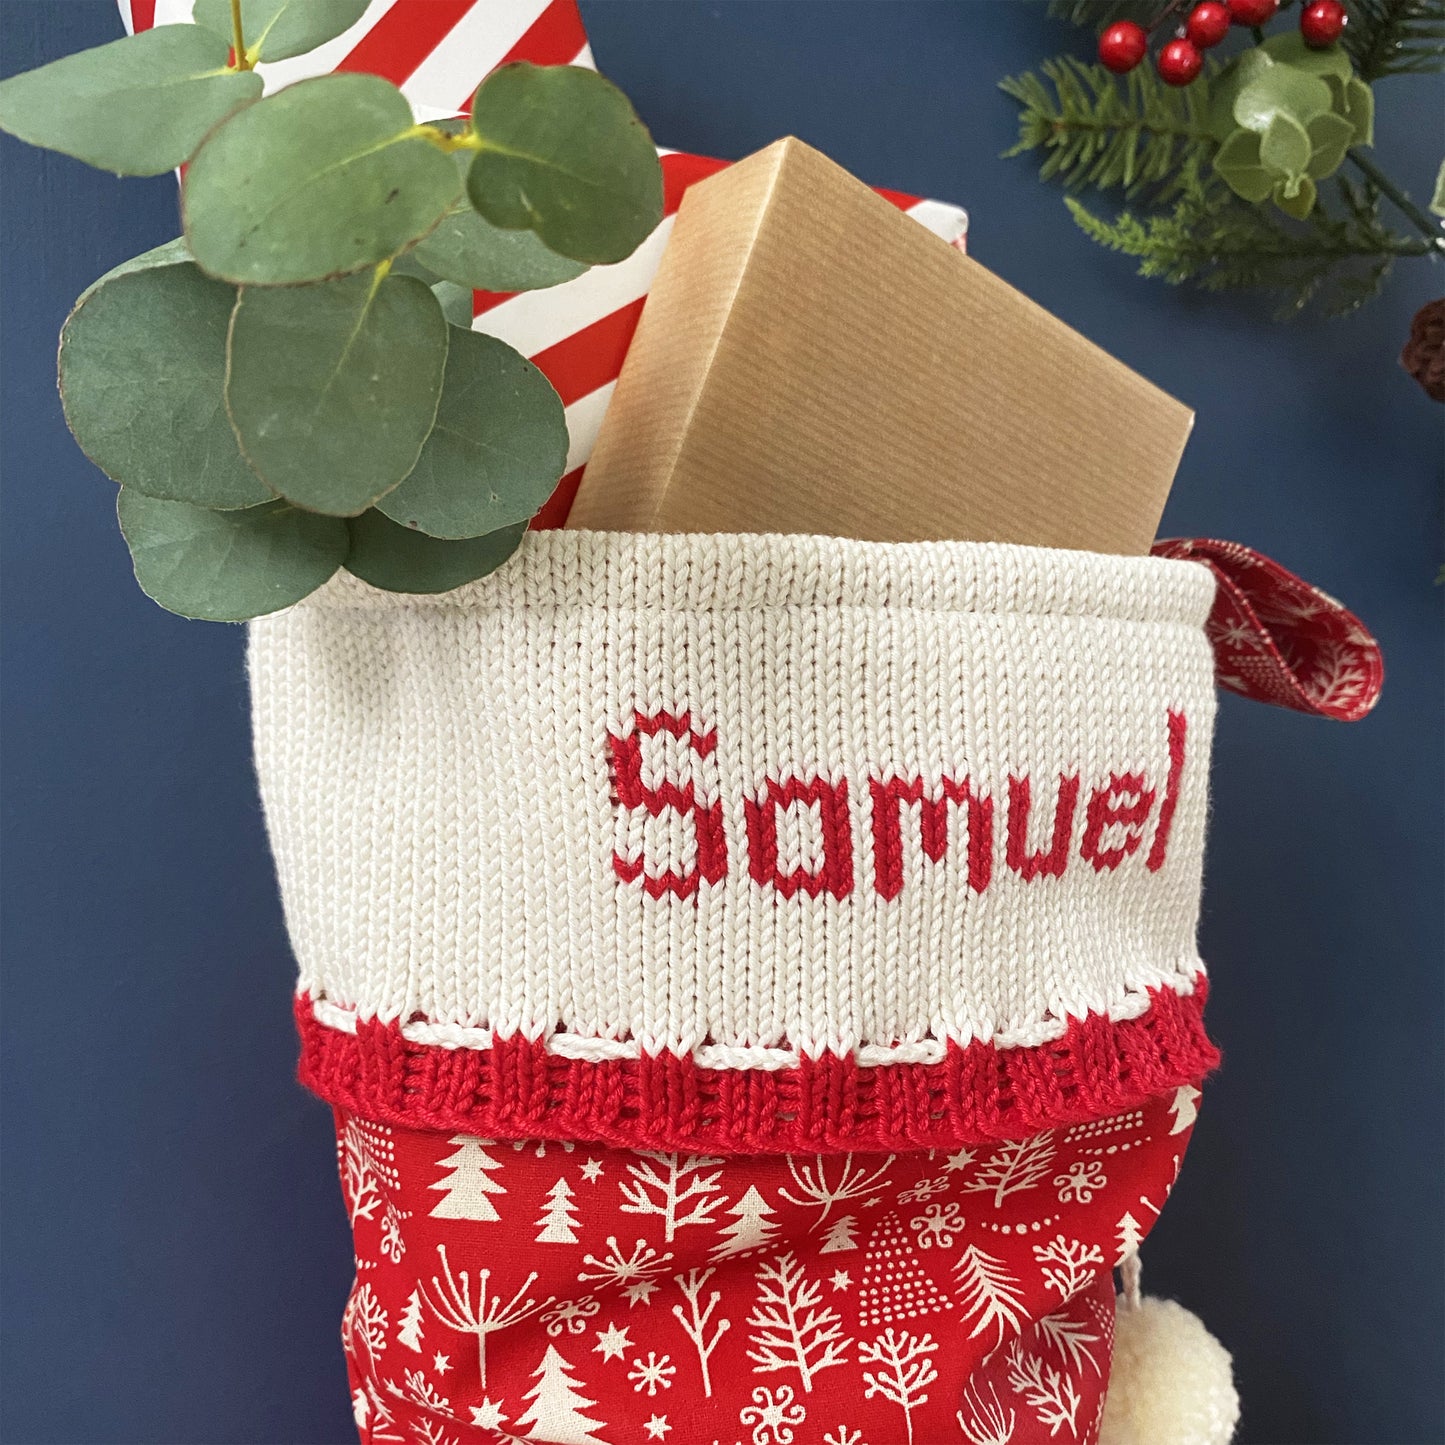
[(175, 1258)]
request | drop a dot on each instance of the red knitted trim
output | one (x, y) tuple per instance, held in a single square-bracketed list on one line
[(518, 1090)]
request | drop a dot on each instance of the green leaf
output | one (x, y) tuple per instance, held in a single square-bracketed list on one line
[(497, 450), (138, 106), (333, 388), (142, 380), (564, 154), (169, 253), (1437, 201), (1359, 110), (1295, 196), (1330, 137), (264, 208), (1285, 146), (400, 560), (455, 302), (1238, 163), (1289, 49), (279, 29), (472, 252), (1281, 90), (228, 566)]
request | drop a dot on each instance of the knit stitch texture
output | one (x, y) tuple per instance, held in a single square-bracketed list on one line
[(747, 804)]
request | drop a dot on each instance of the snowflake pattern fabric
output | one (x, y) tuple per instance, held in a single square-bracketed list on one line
[(544, 1291)]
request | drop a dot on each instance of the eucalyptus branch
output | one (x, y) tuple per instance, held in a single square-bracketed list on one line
[(238, 39)]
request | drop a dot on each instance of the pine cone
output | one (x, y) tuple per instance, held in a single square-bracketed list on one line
[(1424, 353)]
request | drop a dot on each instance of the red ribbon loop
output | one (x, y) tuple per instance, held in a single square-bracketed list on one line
[(1278, 639)]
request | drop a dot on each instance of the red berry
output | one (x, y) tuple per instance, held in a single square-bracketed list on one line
[(1207, 25), (1322, 23), (1122, 46), (1252, 12), (1179, 62)]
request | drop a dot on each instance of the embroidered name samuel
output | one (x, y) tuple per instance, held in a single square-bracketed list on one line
[(1119, 817)]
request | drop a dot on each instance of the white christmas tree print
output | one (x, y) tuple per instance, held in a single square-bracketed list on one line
[(753, 1229), (366, 1157), (1071, 1338), (792, 1329), (559, 1219), (467, 1186), (987, 1422), (842, 1234), (1013, 1167), (991, 1297), (815, 1188), (895, 1285), (1067, 1263), (664, 1183), (1131, 1236), (363, 1324), (1050, 1393), (631, 1273), (905, 1372), (696, 1318), (1185, 1108), (556, 1410), (454, 1307), (409, 1327)]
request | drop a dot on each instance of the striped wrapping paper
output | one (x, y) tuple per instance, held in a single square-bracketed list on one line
[(438, 51)]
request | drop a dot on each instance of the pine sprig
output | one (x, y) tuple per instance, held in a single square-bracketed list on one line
[(1395, 37), (1337, 261), (1098, 129)]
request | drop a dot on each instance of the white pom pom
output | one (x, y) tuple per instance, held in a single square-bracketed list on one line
[(1171, 1382)]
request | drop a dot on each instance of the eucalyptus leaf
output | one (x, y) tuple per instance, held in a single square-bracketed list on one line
[(142, 380), (1281, 90), (263, 209), (470, 251), (1359, 110), (564, 154), (279, 29), (400, 560), (1238, 163), (228, 566), (333, 388), (1289, 49), (1330, 137), (138, 106), (1296, 197), (1437, 201), (168, 253), (456, 303), (496, 452), (1285, 147)]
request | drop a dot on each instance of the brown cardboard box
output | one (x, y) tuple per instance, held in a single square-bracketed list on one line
[(811, 360)]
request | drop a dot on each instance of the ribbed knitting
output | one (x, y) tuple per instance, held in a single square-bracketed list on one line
[(743, 801)]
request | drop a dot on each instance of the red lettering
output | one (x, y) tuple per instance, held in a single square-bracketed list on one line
[(835, 874), (888, 800), (1020, 800), (1124, 802), (632, 792), (1178, 727)]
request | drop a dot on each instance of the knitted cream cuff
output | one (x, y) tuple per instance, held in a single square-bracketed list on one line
[(746, 842)]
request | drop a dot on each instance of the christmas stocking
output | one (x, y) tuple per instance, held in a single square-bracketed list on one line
[(755, 976)]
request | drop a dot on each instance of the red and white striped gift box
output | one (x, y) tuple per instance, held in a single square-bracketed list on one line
[(438, 51)]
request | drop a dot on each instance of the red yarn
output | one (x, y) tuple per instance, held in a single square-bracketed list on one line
[(517, 1089)]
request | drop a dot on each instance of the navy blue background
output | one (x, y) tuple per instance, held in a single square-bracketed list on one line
[(175, 1255)]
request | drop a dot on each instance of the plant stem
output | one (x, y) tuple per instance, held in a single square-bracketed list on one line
[(238, 38), (1428, 228)]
